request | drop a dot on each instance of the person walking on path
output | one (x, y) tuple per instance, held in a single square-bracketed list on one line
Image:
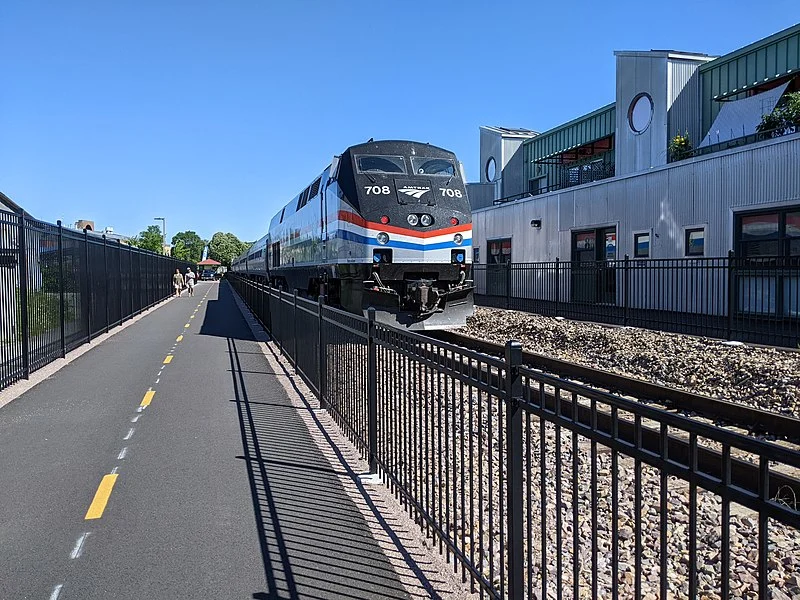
[(190, 277), (177, 282)]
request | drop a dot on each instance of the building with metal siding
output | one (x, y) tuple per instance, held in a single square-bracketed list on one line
[(605, 171), (583, 143), (700, 192), (502, 165)]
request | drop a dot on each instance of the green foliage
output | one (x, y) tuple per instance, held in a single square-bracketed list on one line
[(44, 312), (150, 239), (188, 246), (784, 119), (791, 109), (679, 146), (224, 247)]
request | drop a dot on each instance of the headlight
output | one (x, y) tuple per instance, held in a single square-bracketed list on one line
[(383, 238), (412, 219), (458, 238), (426, 220)]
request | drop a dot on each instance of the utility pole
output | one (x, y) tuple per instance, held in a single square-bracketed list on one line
[(163, 232)]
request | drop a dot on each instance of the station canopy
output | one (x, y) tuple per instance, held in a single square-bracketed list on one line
[(209, 262)]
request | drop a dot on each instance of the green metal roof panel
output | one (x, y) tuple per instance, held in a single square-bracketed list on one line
[(587, 128), (774, 39), (766, 60)]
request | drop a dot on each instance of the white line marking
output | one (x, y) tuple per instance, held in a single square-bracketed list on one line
[(130, 434), (56, 592), (157, 380), (122, 453), (136, 418), (78, 549), (140, 409), (114, 471)]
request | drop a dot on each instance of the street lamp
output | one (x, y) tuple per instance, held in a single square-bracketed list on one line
[(163, 232)]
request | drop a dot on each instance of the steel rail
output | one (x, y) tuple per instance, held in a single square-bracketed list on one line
[(755, 420), (744, 475)]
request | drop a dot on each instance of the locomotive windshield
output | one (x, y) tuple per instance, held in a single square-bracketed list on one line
[(433, 166), (381, 164)]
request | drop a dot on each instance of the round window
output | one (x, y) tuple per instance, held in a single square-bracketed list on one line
[(640, 113), (491, 169)]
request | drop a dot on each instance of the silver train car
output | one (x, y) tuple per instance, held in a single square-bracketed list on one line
[(386, 225)]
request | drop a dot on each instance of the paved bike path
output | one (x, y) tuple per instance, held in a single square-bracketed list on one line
[(215, 489)]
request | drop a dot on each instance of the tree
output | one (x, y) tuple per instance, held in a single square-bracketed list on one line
[(224, 247), (150, 239), (188, 246)]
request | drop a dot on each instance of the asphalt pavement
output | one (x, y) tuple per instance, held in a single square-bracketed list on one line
[(168, 462)]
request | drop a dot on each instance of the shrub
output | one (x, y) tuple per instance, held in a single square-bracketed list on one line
[(784, 119), (679, 146), (44, 312)]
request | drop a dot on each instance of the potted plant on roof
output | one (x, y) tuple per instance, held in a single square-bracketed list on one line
[(783, 120), (679, 147), (772, 125)]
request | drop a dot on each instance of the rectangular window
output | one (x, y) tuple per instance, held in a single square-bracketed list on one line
[(793, 233), (584, 240), (696, 242), (611, 245), (765, 236), (499, 252), (433, 166), (476, 255), (381, 164), (641, 245)]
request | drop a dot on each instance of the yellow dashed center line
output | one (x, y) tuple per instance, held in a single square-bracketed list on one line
[(187, 325), (168, 359), (192, 317), (148, 397), (98, 505), (180, 337)]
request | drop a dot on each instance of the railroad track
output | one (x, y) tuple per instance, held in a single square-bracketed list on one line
[(783, 485), (724, 412)]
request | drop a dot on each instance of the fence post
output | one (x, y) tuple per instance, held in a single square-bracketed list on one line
[(731, 295), (105, 276), (508, 284), (61, 290), (514, 482), (119, 270), (88, 288), (280, 314), (372, 392), (294, 327), (323, 355), (24, 325), (625, 289), (558, 283), (134, 282)]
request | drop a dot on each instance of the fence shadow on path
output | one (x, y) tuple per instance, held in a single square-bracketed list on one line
[(315, 542)]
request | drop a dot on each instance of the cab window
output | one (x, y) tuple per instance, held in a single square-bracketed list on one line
[(433, 166), (381, 164)]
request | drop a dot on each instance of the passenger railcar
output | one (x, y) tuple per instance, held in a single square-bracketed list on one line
[(387, 224)]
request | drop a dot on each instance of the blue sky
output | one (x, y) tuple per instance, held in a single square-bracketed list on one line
[(214, 114)]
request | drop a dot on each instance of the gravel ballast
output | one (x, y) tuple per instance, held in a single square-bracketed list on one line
[(767, 378)]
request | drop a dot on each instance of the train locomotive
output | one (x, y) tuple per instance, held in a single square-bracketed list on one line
[(386, 225)]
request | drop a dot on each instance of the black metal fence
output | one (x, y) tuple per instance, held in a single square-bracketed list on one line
[(751, 300), (538, 487), (62, 287)]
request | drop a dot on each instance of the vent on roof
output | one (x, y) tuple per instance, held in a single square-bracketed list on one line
[(315, 187)]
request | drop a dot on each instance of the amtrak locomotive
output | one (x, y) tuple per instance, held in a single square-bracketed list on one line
[(386, 224)]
